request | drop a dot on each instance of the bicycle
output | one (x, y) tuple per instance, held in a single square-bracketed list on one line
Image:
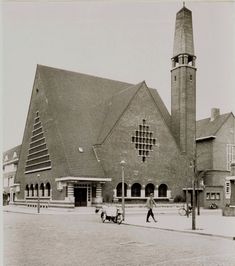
[(183, 211)]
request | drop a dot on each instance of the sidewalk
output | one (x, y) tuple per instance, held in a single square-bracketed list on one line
[(210, 222), (33, 210)]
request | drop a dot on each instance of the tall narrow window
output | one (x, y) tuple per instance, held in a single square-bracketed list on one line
[(230, 155)]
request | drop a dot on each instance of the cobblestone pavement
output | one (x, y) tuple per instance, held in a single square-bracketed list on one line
[(57, 239)]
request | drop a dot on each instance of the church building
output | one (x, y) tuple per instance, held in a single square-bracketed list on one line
[(80, 128)]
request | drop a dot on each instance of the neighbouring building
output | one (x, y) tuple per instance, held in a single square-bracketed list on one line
[(215, 153), (80, 127), (10, 163), (229, 208)]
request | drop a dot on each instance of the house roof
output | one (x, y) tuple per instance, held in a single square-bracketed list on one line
[(8, 155), (85, 108), (207, 128)]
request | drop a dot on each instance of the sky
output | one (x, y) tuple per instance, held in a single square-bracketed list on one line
[(130, 41)]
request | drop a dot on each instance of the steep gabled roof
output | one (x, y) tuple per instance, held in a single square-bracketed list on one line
[(115, 106), (82, 109), (77, 106), (119, 102), (207, 128)]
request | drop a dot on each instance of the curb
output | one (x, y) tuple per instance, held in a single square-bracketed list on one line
[(20, 212), (47, 213), (182, 231)]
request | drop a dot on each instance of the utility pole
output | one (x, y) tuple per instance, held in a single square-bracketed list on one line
[(123, 189), (193, 196), (198, 198), (187, 207), (38, 176)]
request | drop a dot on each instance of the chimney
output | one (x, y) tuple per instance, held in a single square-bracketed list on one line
[(215, 112)]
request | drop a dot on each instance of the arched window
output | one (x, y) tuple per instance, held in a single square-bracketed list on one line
[(36, 190), (42, 189), (162, 190), (27, 190), (32, 190), (135, 190), (48, 189), (149, 189), (119, 189)]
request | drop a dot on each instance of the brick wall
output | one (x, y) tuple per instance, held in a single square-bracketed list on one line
[(226, 135), (204, 154), (165, 164)]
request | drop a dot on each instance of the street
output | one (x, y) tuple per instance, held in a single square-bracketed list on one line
[(82, 239)]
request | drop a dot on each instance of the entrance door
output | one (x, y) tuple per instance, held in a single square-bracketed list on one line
[(80, 195)]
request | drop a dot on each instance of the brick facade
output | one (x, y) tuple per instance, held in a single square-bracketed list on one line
[(212, 154), (165, 164)]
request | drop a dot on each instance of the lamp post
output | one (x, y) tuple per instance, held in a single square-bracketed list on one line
[(38, 176), (123, 189), (193, 196)]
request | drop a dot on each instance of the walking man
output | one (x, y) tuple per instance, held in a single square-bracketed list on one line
[(149, 204)]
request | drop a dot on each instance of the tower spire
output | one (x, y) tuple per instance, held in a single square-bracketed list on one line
[(183, 83), (183, 40)]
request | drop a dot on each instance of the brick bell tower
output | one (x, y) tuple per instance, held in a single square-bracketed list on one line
[(183, 84)]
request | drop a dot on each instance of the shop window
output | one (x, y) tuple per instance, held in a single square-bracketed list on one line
[(212, 196)]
